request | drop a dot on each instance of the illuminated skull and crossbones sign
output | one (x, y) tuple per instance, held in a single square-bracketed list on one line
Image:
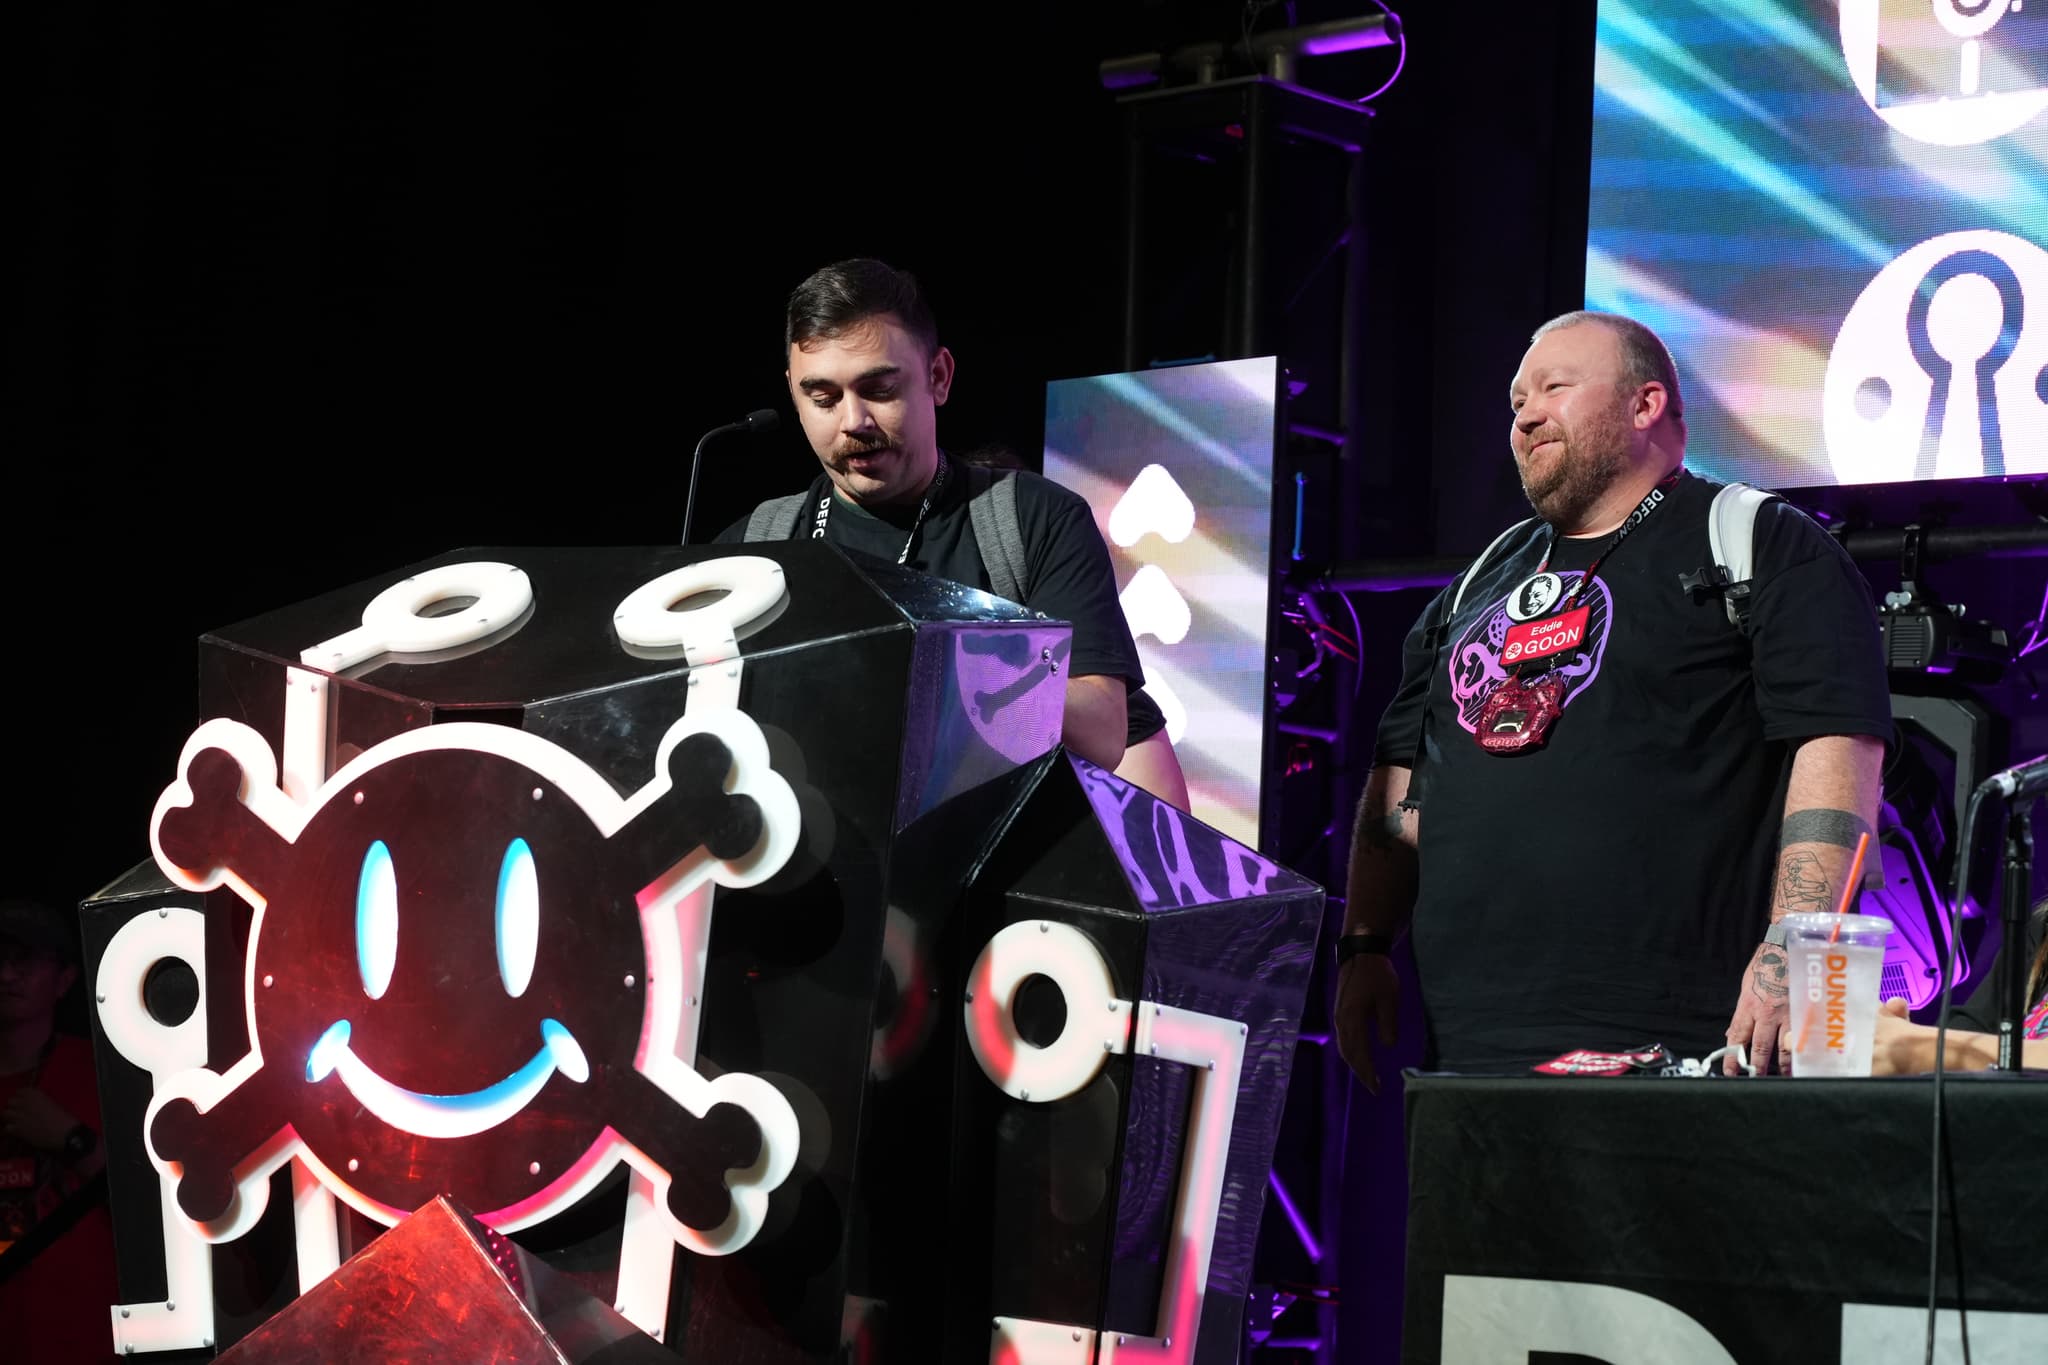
[(465, 975)]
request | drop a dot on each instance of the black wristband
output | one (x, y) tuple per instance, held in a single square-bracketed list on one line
[(1351, 945)]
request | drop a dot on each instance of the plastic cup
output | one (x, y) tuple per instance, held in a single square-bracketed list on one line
[(1834, 976)]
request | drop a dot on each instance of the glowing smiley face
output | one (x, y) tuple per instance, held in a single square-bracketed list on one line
[(449, 980)]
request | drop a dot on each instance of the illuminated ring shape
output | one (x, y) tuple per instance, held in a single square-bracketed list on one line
[(1097, 1022), (502, 592), (753, 585), (174, 932)]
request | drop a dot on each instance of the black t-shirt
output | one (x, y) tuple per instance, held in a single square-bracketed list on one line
[(1066, 563), (1608, 889)]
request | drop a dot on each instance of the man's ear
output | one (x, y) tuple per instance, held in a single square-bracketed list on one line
[(1652, 400), (941, 375)]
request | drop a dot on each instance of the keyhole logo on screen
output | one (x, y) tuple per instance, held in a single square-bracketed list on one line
[(1948, 72), (1940, 369)]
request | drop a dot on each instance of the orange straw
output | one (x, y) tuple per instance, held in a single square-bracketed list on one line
[(1850, 887)]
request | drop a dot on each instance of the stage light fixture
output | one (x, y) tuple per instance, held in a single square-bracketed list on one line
[(1274, 53)]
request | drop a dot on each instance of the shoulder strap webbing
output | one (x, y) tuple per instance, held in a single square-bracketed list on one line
[(1731, 538), (776, 518), (992, 509), (1465, 582)]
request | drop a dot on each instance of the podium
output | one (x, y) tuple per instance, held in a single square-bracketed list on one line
[(635, 900)]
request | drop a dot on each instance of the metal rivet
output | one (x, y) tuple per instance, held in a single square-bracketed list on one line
[(124, 1312), (353, 1164), (1023, 1094), (162, 912), (1212, 1063), (359, 798), (533, 1168), (968, 997), (1077, 1336), (1044, 928), (1155, 1049), (100, 999), (536, 793), (693, 999), (629, 981), (1108, 1046), (1112, 1006), (269, 980), (170, 1307)]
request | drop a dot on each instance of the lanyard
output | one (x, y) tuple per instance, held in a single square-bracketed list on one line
[(1650, 503), (924, 508)]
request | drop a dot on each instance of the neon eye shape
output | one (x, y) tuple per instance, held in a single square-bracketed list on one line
[(377, 920), (518, 917)]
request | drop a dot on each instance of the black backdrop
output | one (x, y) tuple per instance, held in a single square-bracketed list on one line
[(296, 294)]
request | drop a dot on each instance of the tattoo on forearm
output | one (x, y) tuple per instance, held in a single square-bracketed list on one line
[(1803, 884), (1770, 976), (1821, 825)]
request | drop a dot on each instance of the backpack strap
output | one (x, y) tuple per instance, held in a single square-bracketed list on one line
[(1458, 598), (1435, 635), (992, 509), (776, 518), (1731, 543)]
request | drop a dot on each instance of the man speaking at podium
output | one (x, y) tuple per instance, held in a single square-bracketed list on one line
[(1599, 787), (867, 374)]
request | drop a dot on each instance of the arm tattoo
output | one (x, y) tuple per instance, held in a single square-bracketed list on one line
[(1821, 825), (1803, 885), (1769, 976)]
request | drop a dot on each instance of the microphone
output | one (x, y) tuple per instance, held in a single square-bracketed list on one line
[(2022, 779), (760, 419)]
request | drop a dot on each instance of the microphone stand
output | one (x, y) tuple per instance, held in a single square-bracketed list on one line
[(697, 463), (2012, 982)]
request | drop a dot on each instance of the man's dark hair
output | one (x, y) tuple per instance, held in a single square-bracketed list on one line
[(841, 296)]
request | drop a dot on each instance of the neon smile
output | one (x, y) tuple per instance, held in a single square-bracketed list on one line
[(447, 1116)]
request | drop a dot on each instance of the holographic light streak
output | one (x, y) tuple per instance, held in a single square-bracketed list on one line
[(1177, 465), (1763, 171)]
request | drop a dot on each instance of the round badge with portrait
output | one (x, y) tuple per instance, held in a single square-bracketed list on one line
[(1537, 595)]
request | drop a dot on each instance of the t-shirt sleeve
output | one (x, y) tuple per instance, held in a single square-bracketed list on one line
[(1401, 725), (1072, 580), (1814, 634), (1143, 718)]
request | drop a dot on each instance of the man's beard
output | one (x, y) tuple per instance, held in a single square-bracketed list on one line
[(1593, 461)]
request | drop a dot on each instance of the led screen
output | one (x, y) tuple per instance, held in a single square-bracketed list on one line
[(1178, 465), (1836, 217)]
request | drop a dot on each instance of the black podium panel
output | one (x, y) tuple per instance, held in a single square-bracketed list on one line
[(1105, 1199), (1714, 1220)]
